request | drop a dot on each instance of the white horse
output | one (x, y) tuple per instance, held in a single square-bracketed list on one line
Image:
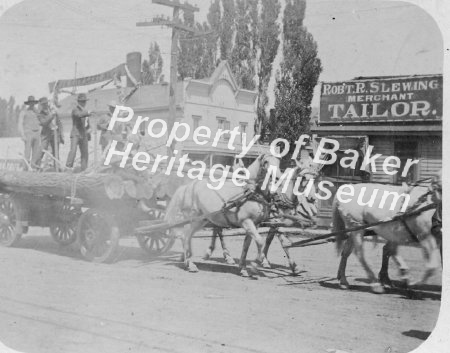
[(205, 205), (412, 228), (436, 224)]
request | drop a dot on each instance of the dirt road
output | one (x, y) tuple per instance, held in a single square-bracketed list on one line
[(52, 301)]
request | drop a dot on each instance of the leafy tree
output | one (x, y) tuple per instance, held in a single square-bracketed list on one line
[(196, 53), (227, 29), (242, 56), (268, 43), (152, 68), (9, 114), (299, 75)]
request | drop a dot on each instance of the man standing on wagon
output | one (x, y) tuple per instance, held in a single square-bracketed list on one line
[(80, 134), (51, 124), (106, 135), (29, 130)]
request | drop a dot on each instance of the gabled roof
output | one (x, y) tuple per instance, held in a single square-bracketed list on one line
[(223, 72)]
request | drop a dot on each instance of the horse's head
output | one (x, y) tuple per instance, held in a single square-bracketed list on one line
[(259, 168), (306, 188), (436, 187), (272, 163)]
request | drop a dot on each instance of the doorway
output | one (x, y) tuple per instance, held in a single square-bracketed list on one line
[(404, 150)]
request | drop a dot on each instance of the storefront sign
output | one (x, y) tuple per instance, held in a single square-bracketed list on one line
[(382, 99)]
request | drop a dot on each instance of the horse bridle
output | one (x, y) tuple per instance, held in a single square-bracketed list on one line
[(284, 202)]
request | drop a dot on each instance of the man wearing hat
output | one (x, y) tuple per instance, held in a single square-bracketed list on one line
[(51, 125), (80, 134), (107, 136), (29, 130)]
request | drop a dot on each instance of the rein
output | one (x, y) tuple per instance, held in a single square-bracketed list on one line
[(416, 205)]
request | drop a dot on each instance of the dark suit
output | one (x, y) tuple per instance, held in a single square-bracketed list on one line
[(50, 121), (79, 137)]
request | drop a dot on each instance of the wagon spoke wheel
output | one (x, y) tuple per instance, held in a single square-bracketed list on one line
[(64, 232), (10, 231), (98, 236), (158, 242)]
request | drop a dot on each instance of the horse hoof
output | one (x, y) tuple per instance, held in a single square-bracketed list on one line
[(295, 270), (207, 255), (191, 267), (343, 284), (243, 272), (229, 260), (385, 281), (377, 288), (266, 264)]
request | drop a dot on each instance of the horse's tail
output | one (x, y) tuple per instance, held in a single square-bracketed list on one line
[(338, 226)]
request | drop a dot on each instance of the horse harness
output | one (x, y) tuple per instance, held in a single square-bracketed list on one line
[(419, 201)]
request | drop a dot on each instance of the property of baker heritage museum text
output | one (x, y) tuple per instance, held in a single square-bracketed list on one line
[(203, 135)]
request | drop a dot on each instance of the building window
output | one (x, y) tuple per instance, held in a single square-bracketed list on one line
[(196, 119), (243, 128), (203, 157), (224, 124), (335, 170)]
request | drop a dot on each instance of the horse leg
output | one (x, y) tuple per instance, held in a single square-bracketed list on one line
[(401, 264), (251, 230), (284, 241), (359, 252), (212, 246), (226, 253), (242, 261), (270, 236), (187, 244), (383, 275), (346, 251), (431, 255)]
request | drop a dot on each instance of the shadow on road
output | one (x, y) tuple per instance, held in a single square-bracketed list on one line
[(432, 292), (421, 335)]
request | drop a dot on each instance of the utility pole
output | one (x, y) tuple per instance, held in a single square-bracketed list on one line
[(177, 27)]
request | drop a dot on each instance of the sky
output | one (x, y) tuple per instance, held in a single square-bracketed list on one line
[(42, 39)]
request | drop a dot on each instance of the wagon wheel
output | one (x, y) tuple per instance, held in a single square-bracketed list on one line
[(10, 230), (98, 235), (64, 232), (158, 242)]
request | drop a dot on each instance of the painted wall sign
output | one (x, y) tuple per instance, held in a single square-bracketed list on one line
[(409, 98)]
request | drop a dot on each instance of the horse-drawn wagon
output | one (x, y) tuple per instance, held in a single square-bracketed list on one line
[(94, 209)]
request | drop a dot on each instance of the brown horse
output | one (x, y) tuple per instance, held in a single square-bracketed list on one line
[(415, 228), (303, 208), (257, 172)]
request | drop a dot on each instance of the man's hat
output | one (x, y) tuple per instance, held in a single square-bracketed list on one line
[(82, 97), (31, 100), (43, 100), (113, 104)]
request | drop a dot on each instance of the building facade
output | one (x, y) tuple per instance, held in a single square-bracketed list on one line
[(399, 116), (216, 102)]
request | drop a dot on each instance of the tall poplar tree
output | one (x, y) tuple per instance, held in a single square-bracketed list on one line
[(299, 75), (268, 44), (242, 59)]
